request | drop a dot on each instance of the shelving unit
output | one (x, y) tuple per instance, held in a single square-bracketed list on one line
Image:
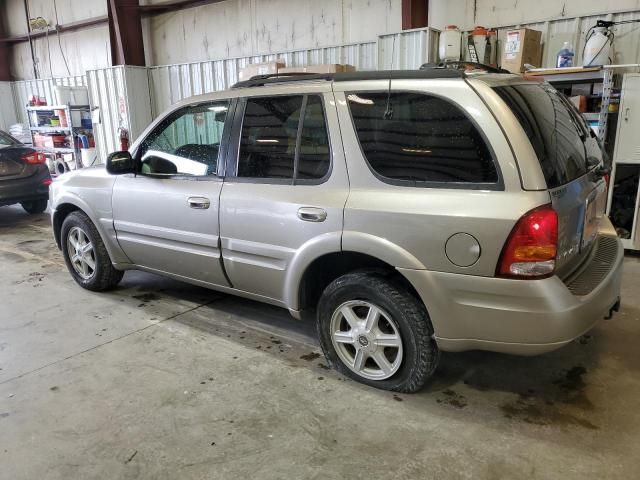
[(63, 154), (565, 78)]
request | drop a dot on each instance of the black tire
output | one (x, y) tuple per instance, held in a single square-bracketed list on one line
[(35, 206), (420, 352), (104, 276)]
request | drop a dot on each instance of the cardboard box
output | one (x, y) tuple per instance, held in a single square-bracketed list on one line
[(323, 68), (580, 89), (580, 101), (268, 68), (521, 46)]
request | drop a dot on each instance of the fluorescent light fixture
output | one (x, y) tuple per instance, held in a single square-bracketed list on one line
[(415, 150), (357, 99), (267, 140), (218, 108)]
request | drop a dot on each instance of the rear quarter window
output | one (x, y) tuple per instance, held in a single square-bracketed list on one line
[(420, 140)]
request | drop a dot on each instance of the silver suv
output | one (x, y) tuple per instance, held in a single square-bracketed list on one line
[(437, 211)]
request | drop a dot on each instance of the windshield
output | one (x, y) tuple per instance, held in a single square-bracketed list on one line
[(556, 131)]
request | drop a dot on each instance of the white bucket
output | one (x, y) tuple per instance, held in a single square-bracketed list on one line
[(450, 44), (88, 156)]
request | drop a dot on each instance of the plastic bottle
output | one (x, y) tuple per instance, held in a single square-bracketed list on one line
[(565, 56), (597, 48)]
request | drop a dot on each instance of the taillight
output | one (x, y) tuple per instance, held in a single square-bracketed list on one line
[(46, 182), (34, 158), (530, 250)]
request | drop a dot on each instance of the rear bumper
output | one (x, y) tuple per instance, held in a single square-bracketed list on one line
[(524, 317), (25, 189)]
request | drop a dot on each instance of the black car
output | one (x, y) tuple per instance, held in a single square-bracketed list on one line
[(24, 175)]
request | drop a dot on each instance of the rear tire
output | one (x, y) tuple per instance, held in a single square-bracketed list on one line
[(35, 206), (86, 255), (376, 332)]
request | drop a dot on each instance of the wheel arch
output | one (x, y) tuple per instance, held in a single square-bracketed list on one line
[(336, 253), (65, 206), (330, 266), (61, 212)]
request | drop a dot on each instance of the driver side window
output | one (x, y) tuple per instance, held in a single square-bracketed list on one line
[(187, 142)]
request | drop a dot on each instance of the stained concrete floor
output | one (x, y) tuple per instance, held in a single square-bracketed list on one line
[(162, 380)]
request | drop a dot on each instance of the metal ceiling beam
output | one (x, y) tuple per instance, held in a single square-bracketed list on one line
[(174, 5), (69, 27), (125, 33), (415, 14)]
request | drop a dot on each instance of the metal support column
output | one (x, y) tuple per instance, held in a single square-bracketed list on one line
[(415, 14), (5, 57), (125, 32)]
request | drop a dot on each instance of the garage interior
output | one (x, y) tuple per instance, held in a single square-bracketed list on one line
[(162, 379)]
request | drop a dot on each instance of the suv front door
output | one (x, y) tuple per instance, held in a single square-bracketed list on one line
[(166, 217), (286, 188)]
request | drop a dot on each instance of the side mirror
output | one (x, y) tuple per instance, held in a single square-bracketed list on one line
[(119, 163)]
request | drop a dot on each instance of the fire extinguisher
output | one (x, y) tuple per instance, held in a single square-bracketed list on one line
[(123, 133)]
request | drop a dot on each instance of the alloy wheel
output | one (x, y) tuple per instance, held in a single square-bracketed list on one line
[(81, 253), (366, 339)]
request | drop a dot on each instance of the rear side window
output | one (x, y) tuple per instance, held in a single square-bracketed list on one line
[(551, 128), (6, 139), (419, 139), (276, 143)]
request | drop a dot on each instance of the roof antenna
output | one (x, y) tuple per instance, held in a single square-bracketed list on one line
[(388, 112)]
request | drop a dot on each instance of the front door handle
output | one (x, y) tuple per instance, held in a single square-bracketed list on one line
[(201, 203), (312, 214)]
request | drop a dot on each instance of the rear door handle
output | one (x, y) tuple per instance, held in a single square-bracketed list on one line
[(201, 203), (312, 214)]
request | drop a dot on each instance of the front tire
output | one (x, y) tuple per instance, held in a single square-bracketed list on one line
[(374, 331), (35, 206), (86, 255)]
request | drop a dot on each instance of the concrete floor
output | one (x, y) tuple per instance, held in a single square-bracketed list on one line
[(160, 379)]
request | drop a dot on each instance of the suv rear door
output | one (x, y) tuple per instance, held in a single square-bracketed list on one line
[(285, 188), (568, 154)]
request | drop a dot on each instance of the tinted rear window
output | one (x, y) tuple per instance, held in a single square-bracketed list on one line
[(6, 139), (276, 145), (551, 128), (414, 138)]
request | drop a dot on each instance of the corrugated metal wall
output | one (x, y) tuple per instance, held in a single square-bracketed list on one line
[(122, 96), (171, 83), (408, 49), (156, 88), (24, 89), (574, 30)]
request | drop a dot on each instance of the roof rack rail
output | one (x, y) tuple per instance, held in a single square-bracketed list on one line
[(273, 78), (260, 80)]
